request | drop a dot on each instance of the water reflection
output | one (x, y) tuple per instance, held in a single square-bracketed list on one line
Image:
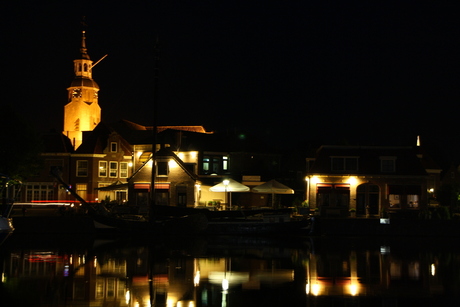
[(227, 271)]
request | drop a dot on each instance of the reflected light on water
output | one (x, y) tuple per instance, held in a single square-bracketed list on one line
[(196, 279), (201, 273), (224, 284), (316, 289), (354, 289)]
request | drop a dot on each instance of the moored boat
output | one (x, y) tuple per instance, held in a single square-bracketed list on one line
[(265, 224), (7, 195), (6, 228)]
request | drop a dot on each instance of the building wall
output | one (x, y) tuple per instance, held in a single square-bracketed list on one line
[(354, 201)]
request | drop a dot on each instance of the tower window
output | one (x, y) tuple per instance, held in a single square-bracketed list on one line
[(76, 93)]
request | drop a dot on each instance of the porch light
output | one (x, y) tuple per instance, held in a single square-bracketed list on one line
[(352, 180), (172, 164)]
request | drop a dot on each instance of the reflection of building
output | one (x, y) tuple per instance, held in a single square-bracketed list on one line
[(52, 276), (370, 179), (369, 273), (137, 275)]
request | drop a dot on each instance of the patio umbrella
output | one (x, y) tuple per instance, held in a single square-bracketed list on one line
[(229, 185), (273, 187)]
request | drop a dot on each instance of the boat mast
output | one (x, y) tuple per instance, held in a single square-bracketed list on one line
[(155, 128)]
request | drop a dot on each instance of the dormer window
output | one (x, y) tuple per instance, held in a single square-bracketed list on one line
[(162, 168), (344, 164), (388, 164)]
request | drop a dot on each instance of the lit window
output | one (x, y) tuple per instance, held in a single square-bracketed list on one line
[(206, 164), (123, 169), (102, 168), (225, 163), (82, 168), (215, 164), (113, 169)]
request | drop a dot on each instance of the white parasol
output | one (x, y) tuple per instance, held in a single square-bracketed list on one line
[(229, 185), (273, 187)]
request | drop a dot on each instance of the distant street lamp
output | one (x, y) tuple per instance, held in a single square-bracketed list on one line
[(226, 182)]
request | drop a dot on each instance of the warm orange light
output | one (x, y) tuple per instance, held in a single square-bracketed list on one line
[(352, 180)]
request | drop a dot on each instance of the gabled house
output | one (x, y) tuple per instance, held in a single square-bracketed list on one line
[(370, 180), (43, 187)]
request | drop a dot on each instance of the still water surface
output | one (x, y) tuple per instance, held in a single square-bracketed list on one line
[(228, 271)]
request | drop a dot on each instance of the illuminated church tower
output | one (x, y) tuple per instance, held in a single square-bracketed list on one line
[(82, 113)]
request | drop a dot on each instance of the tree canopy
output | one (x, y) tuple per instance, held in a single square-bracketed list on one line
[(20, 146)]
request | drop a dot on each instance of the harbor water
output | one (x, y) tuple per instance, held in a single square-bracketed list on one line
[(105, 270)]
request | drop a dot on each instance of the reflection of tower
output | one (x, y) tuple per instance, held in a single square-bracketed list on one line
[(82, 113)]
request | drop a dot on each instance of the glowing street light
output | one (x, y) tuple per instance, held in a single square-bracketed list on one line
[(226, 182)]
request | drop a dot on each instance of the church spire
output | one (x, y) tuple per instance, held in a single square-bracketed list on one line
[(82, 112), (83, 50)]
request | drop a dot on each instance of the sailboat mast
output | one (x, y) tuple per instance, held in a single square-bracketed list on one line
[(155, 128)]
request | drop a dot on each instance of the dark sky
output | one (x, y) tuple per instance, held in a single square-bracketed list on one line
[(309, 70)]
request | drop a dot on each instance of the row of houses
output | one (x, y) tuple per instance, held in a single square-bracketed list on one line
[(114, 164)]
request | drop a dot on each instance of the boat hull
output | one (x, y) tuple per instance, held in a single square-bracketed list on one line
[(6, 228), (251, 227), (192, 224)]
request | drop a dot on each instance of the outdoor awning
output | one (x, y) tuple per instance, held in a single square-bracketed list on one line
[(146, 186), (232, 186), (273, 187), (114, 186)]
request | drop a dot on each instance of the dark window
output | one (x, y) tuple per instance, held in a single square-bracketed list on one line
[(388, 165), (82, 168), (113, 169), (162, 169), (344, 164)]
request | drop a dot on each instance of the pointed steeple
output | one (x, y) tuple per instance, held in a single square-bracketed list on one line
[(83, 50)]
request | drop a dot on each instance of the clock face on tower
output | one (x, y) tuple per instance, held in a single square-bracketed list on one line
[(76, 93)]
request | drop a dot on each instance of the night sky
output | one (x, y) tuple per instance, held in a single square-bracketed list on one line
[(310, 71)]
